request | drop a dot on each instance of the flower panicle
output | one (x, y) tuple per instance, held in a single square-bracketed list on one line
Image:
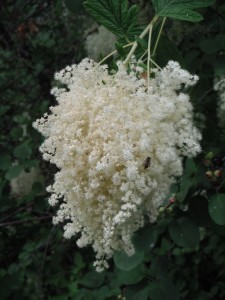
[(118, 146)]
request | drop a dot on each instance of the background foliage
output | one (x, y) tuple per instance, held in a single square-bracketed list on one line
[(182, 256)]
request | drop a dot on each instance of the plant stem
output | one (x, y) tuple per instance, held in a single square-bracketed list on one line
[(151, 60), (149, 54), (25, 221), (143, 34), (158, 37), (114, 52)]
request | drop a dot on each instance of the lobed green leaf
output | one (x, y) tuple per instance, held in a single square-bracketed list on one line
[(180, 9), (115, 15)]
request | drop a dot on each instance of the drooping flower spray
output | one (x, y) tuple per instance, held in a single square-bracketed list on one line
[(118, 140)]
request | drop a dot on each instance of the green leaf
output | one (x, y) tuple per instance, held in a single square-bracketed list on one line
[(162, 225), (185, 186), (190, 167), (127, 263), (16, 133), (5, 161), (180, 9), (163, 290), (210, 46), (130, 277), (166, 51), (120, 50), (159, 266), (145, 238), (184, 232), (115, 15), (22, 151), (13, 172), (33, 163), (37, 187), (137, 292), (93, 279), (142, 43), (155, 292), (217, 208), (4, 109), (198, 210), (78, 261)]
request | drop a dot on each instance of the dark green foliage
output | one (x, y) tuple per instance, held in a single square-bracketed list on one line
[(182, 255), (115, 15), (217, 208), (127, 263), (180, 9), (184, 233)]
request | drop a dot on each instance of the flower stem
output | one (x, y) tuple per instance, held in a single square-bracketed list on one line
[(158, 37), (135, 44), (149, 54), (114, 52)]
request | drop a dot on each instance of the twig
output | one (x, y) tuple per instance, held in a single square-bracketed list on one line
[(158, 37), (46, 246), (141, 36), (205, 94), (25, 221), (15, 212)]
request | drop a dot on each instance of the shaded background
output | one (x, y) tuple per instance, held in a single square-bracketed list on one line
[(38, 38)]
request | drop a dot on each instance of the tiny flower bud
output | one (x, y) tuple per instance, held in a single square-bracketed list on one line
[(161, 209), (209, 174), (169, 209), (218, 173), (209, 155), (207, 162), (172, 200)]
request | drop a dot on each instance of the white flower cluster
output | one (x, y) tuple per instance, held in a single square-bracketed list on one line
[(119, 146), (100, 41), (22, 184), (219, 86)]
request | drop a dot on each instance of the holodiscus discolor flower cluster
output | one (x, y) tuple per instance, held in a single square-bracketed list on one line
[(99, 136)]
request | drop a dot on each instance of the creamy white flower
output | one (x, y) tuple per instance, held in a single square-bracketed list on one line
[(99, 136)]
